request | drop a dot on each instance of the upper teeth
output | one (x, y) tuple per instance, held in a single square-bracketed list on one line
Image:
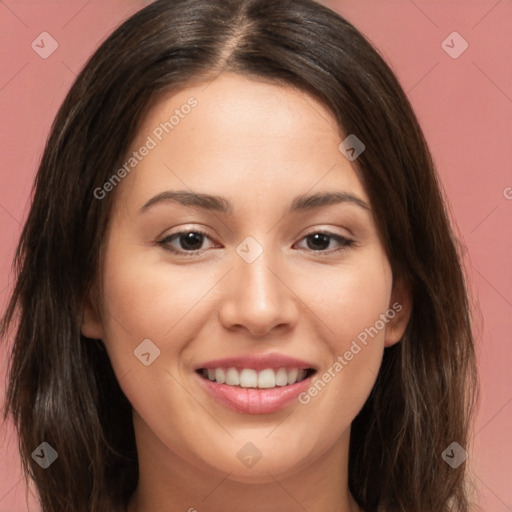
[(249, 378)]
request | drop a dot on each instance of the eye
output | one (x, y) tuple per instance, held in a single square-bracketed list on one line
[(319, 241), (189, 241)]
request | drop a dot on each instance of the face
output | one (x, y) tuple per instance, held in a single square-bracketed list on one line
[(256, 316)]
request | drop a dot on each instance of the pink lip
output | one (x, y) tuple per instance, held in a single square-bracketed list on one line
[(274, 361), (252, 400)]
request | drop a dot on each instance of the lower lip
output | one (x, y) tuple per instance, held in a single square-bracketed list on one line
[(253, 400)]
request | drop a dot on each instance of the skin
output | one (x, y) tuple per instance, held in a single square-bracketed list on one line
[(259, 145)]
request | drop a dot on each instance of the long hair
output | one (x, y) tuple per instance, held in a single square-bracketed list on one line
[(61, 387)]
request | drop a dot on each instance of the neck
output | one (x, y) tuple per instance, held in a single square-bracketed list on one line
[(168, 482)]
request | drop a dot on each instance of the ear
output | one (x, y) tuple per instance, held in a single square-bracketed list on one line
[(401, 305), (91, 324)]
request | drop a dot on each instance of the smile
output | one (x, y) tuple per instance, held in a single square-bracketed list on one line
[(250, 378), (255, 384)]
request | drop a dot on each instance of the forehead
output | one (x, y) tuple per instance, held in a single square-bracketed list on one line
[(241, 137), (249, 105)]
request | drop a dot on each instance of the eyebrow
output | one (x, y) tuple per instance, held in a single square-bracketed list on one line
[(219, 204)]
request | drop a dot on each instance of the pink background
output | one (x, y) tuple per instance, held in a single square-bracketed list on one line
[(464, 106)]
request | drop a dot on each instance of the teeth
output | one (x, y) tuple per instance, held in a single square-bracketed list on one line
[(232, 377), (249, 378), (220, 376), (292, 375), (267, 379), (281, 377)]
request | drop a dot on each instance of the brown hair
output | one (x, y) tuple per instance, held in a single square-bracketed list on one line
[(62, 388)]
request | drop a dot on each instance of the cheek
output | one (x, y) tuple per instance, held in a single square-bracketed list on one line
[(350, 298), (350, 303), (144, 295), (142, 300)]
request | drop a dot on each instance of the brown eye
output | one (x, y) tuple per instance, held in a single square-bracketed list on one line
[(320, 241), (188, 241)]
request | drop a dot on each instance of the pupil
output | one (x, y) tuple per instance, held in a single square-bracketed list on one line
[(322, 239), (190, 239)]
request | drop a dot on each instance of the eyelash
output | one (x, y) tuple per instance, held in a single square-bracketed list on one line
[(164, 242)]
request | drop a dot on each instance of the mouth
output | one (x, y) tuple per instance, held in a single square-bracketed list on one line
[(255, 384), (267, 378)]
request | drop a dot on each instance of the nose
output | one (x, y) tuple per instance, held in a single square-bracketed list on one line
[(258, 297)]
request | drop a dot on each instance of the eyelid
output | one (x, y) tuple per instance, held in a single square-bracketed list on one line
[(344, 241), (162, 241)]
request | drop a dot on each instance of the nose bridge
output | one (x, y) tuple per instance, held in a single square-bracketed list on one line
[(253, 275), (257, 298)]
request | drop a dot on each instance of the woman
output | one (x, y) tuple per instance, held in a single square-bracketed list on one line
[(184, 340)]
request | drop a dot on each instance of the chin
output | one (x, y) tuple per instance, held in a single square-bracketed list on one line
[(265, 471), (262, 461)]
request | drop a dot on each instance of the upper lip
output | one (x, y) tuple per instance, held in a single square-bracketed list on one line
[(257, 362)]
